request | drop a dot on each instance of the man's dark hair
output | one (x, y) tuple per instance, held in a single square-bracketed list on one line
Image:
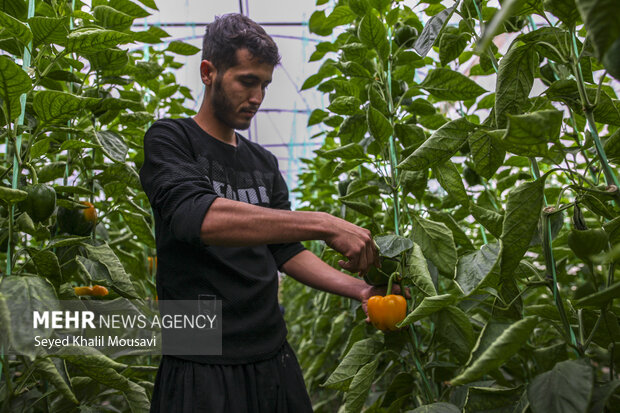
[(231, 32)]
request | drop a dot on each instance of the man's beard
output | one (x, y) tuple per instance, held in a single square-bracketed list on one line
[(223, 108)]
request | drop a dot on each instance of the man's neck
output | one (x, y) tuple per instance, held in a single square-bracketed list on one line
[(214, 127)]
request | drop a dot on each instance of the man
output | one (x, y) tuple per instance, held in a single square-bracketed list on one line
[(224, 227)]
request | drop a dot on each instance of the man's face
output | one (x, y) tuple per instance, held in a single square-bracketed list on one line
[(239, 91)]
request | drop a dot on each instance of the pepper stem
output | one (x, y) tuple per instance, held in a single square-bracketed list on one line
[(390, 281)]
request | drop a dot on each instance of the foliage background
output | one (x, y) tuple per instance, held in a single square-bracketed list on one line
[(495, 205)]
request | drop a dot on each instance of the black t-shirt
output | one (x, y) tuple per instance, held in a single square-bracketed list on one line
[(185, 169)]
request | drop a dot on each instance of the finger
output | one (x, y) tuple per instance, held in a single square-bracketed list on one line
[(370, 256), (376, 256)]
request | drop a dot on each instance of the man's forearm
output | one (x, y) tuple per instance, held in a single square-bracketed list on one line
[(310, 270), (233, 223)]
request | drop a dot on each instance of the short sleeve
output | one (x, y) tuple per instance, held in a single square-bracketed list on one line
[(175, 183), (279, 200)]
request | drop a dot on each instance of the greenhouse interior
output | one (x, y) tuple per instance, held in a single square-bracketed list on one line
[(320, 206)]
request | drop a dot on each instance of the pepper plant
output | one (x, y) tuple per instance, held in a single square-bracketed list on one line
[(479, 142), (78, 89)]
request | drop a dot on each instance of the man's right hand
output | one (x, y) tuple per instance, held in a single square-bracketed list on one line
[(355, 243)]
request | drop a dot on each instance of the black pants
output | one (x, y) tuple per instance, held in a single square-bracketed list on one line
[(275, 385)]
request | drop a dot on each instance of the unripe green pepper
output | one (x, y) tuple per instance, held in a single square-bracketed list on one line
[(41, 202), (405, 35), (78, 221), (374, 276), (585, 243)]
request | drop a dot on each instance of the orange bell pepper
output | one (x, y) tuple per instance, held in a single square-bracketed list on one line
[(386, 312)]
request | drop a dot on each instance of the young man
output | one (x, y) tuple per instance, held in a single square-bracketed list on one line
[(224, 227)]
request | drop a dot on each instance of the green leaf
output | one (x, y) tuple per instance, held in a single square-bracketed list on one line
[(359, 7), (345, 105), (515, 78), (601, 19), (495, 25), (359, 188), (437, 407), (350, 151), (360, 354), (113, 145), (130, 8), (317, 116), (360, 386), (58, 107), (318, 23), (340, 16), (392, 245), (417, 271), (16, 28), (611, 61), (414, 182), (530, 134), (479, 269), (49, 29), (182, 48), (523, 209), (361, 207), (121, 283), (492, 399), (91, 40), (149, 3), (112, 19), (47, 263), (378, 125), (354, 69), (567, 388), (49, 371), (24, 295), (602, 394), (140, 228), (432, 30), (428, 306), (566, 91), (109, 59), (373, 34), (446, 84), (437, 243), (440, 146), (599, 298), (455, 331), (117, 177), (461, 239), (450, 179), (377, 100), (487, 151), (409, 135), (506, 345), (451, 45), (13, 82), (11, 195), (565, 10), (104, 370)]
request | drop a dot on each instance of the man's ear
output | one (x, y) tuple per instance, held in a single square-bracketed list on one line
[(208, 72)]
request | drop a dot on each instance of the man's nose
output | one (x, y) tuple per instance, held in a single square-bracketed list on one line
[(257, 95)]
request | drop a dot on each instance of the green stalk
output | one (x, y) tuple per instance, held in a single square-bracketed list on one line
[(413, 344), (393, 160), (610, 176), (389, 285), (550, 264)]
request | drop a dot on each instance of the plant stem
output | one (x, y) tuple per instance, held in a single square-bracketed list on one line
[(413, 343), (550, 264)]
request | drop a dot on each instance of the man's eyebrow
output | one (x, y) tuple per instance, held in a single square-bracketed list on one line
[(252, 77)]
